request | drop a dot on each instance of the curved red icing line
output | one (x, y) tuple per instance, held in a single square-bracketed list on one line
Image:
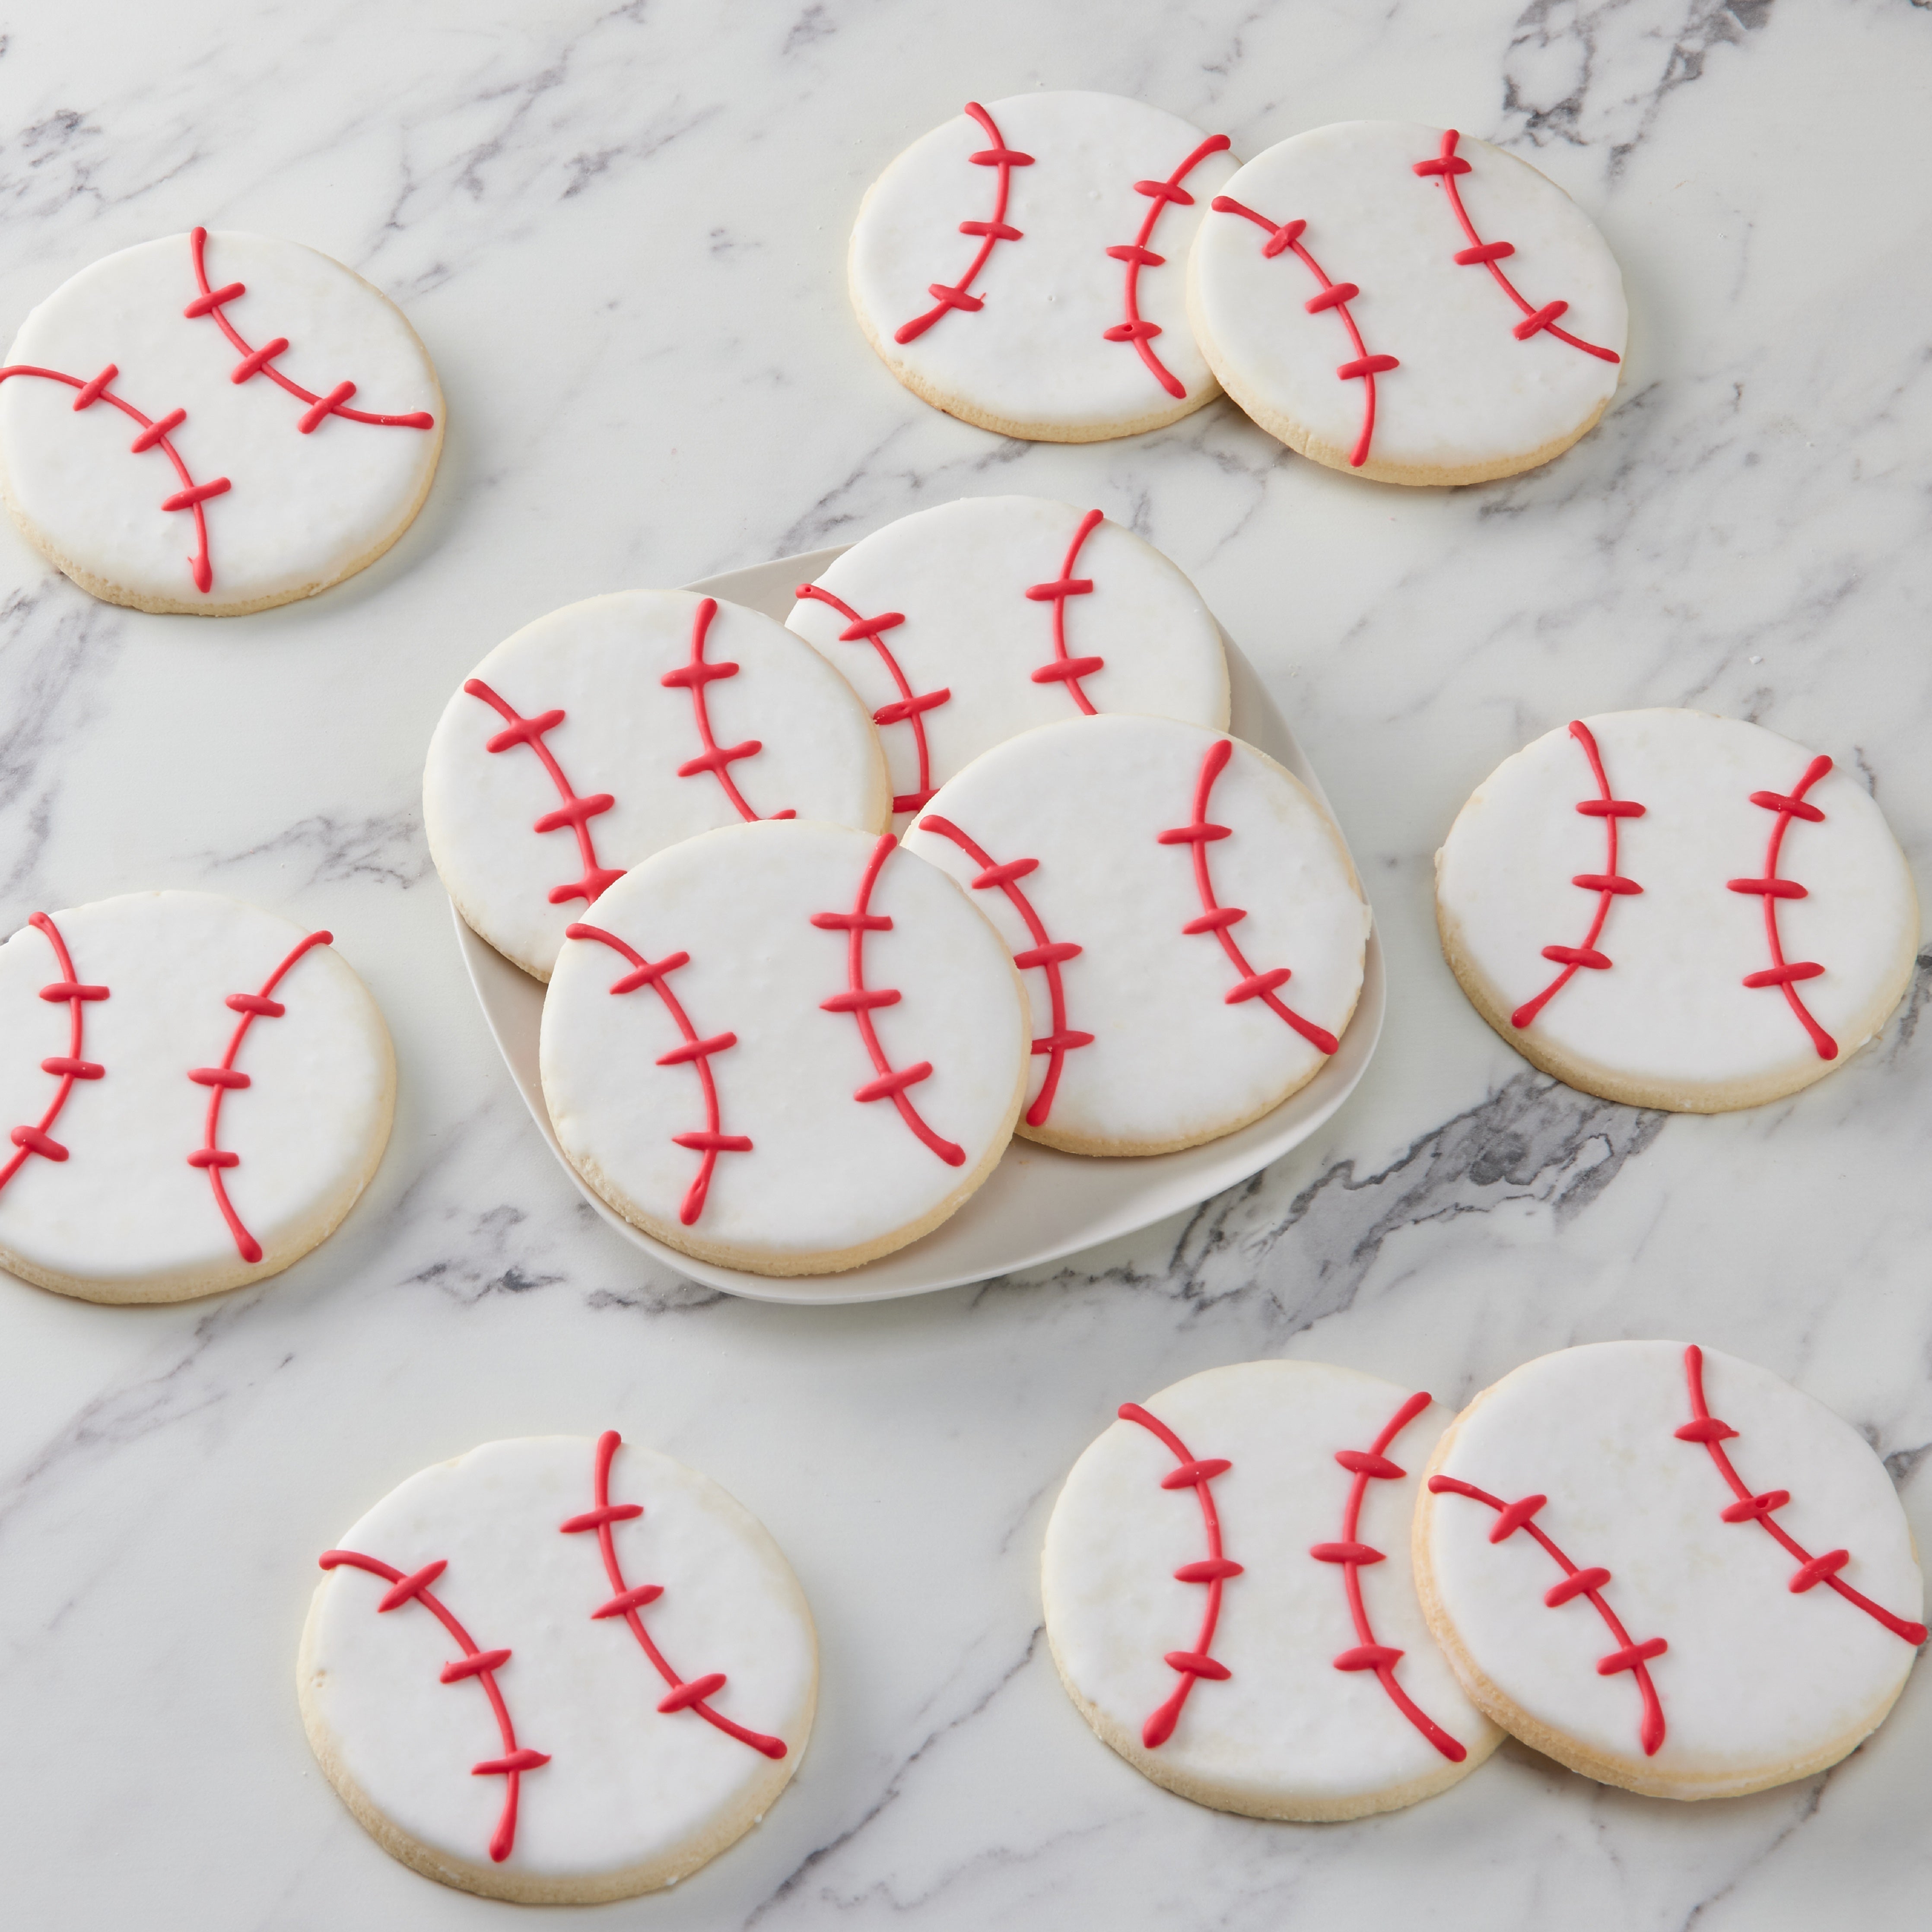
[(1609, 884), (482, 1666), (1367, 1466), (1337, 295), (683, 1695), (67, 1067), (696, 674), (1772, 889), (1447, 166), (859, 999), (695, 1052), (221, 1079), (1811, 1570), (1063, 669), (957, 295), (1217, 918), (1138, 256)]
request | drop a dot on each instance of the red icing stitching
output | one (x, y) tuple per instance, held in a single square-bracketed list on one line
[(956, 296), (1773, 889), (69, 1066), (695, 1052), (221, 1079), (1367, 1466), (1138, 256), (1064, 670), (1628, 1656), (1812, 1570), (261, 362), (1217, 918), (1486, 254), (1337, 295), (482, 1665), (1608, 884), (695, 1694), (859, 1000), (715, 758)]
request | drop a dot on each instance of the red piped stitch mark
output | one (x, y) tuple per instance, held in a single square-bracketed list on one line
[(1198, 1662), (1608, 884), (1634, 1657), (1367, 1466), (224, 1079), (481, 1665), (1064, 670), (1773, 889), (1138, 256), (957, 295), (1812, 1570), (261, 362), (697, 674), (859, 1000), (695, 1695), (1337, 295), (909, 708), (695, 1052), (1048, 954), (1217, 918), (1486, 254), (67, 1067)]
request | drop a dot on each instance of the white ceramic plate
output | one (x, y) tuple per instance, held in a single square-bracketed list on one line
[(1039, 1204)]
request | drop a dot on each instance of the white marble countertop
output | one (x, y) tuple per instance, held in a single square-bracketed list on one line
[(621, 233)]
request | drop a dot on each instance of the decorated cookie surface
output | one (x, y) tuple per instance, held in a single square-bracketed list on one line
[(1229, 1600), (787, 1048), (612, 728), (1676, 909), (214, 423), (1668, 1569), (1408, 304), (558, 1670), (1023, 266), (192, 1093), (1186, 916), (961, 626)]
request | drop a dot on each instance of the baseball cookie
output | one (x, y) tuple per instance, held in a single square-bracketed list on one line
[(1675, 909), (1229, 1600), (1160, 886), (1611, 1589), (614, 728), (490, 1673), (285, 423), (1407, 305), (965, 624), (784, 1048), (202, 1089), (1022, 266)]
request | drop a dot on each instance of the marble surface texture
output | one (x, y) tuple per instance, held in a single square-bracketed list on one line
[(620, 230)]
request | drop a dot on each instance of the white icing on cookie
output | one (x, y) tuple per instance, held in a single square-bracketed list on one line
[(608, 1793), (634, 681), (1704, 1662), (1004, 267), (305, 496), (208, 1061), (1370, 340), (830, 1063), (1164, 1010), (1633, 948), (987, 617)]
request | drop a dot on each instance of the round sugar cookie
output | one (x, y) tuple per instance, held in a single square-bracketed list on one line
[(1187, 916), (1612, 1588), (215, 423), (963, 624), (201, 1091), (1408, 303), (1022, 266), (1229, 1600), (612, 728), (558, 1671), (784, 1048), (1675, 909)]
